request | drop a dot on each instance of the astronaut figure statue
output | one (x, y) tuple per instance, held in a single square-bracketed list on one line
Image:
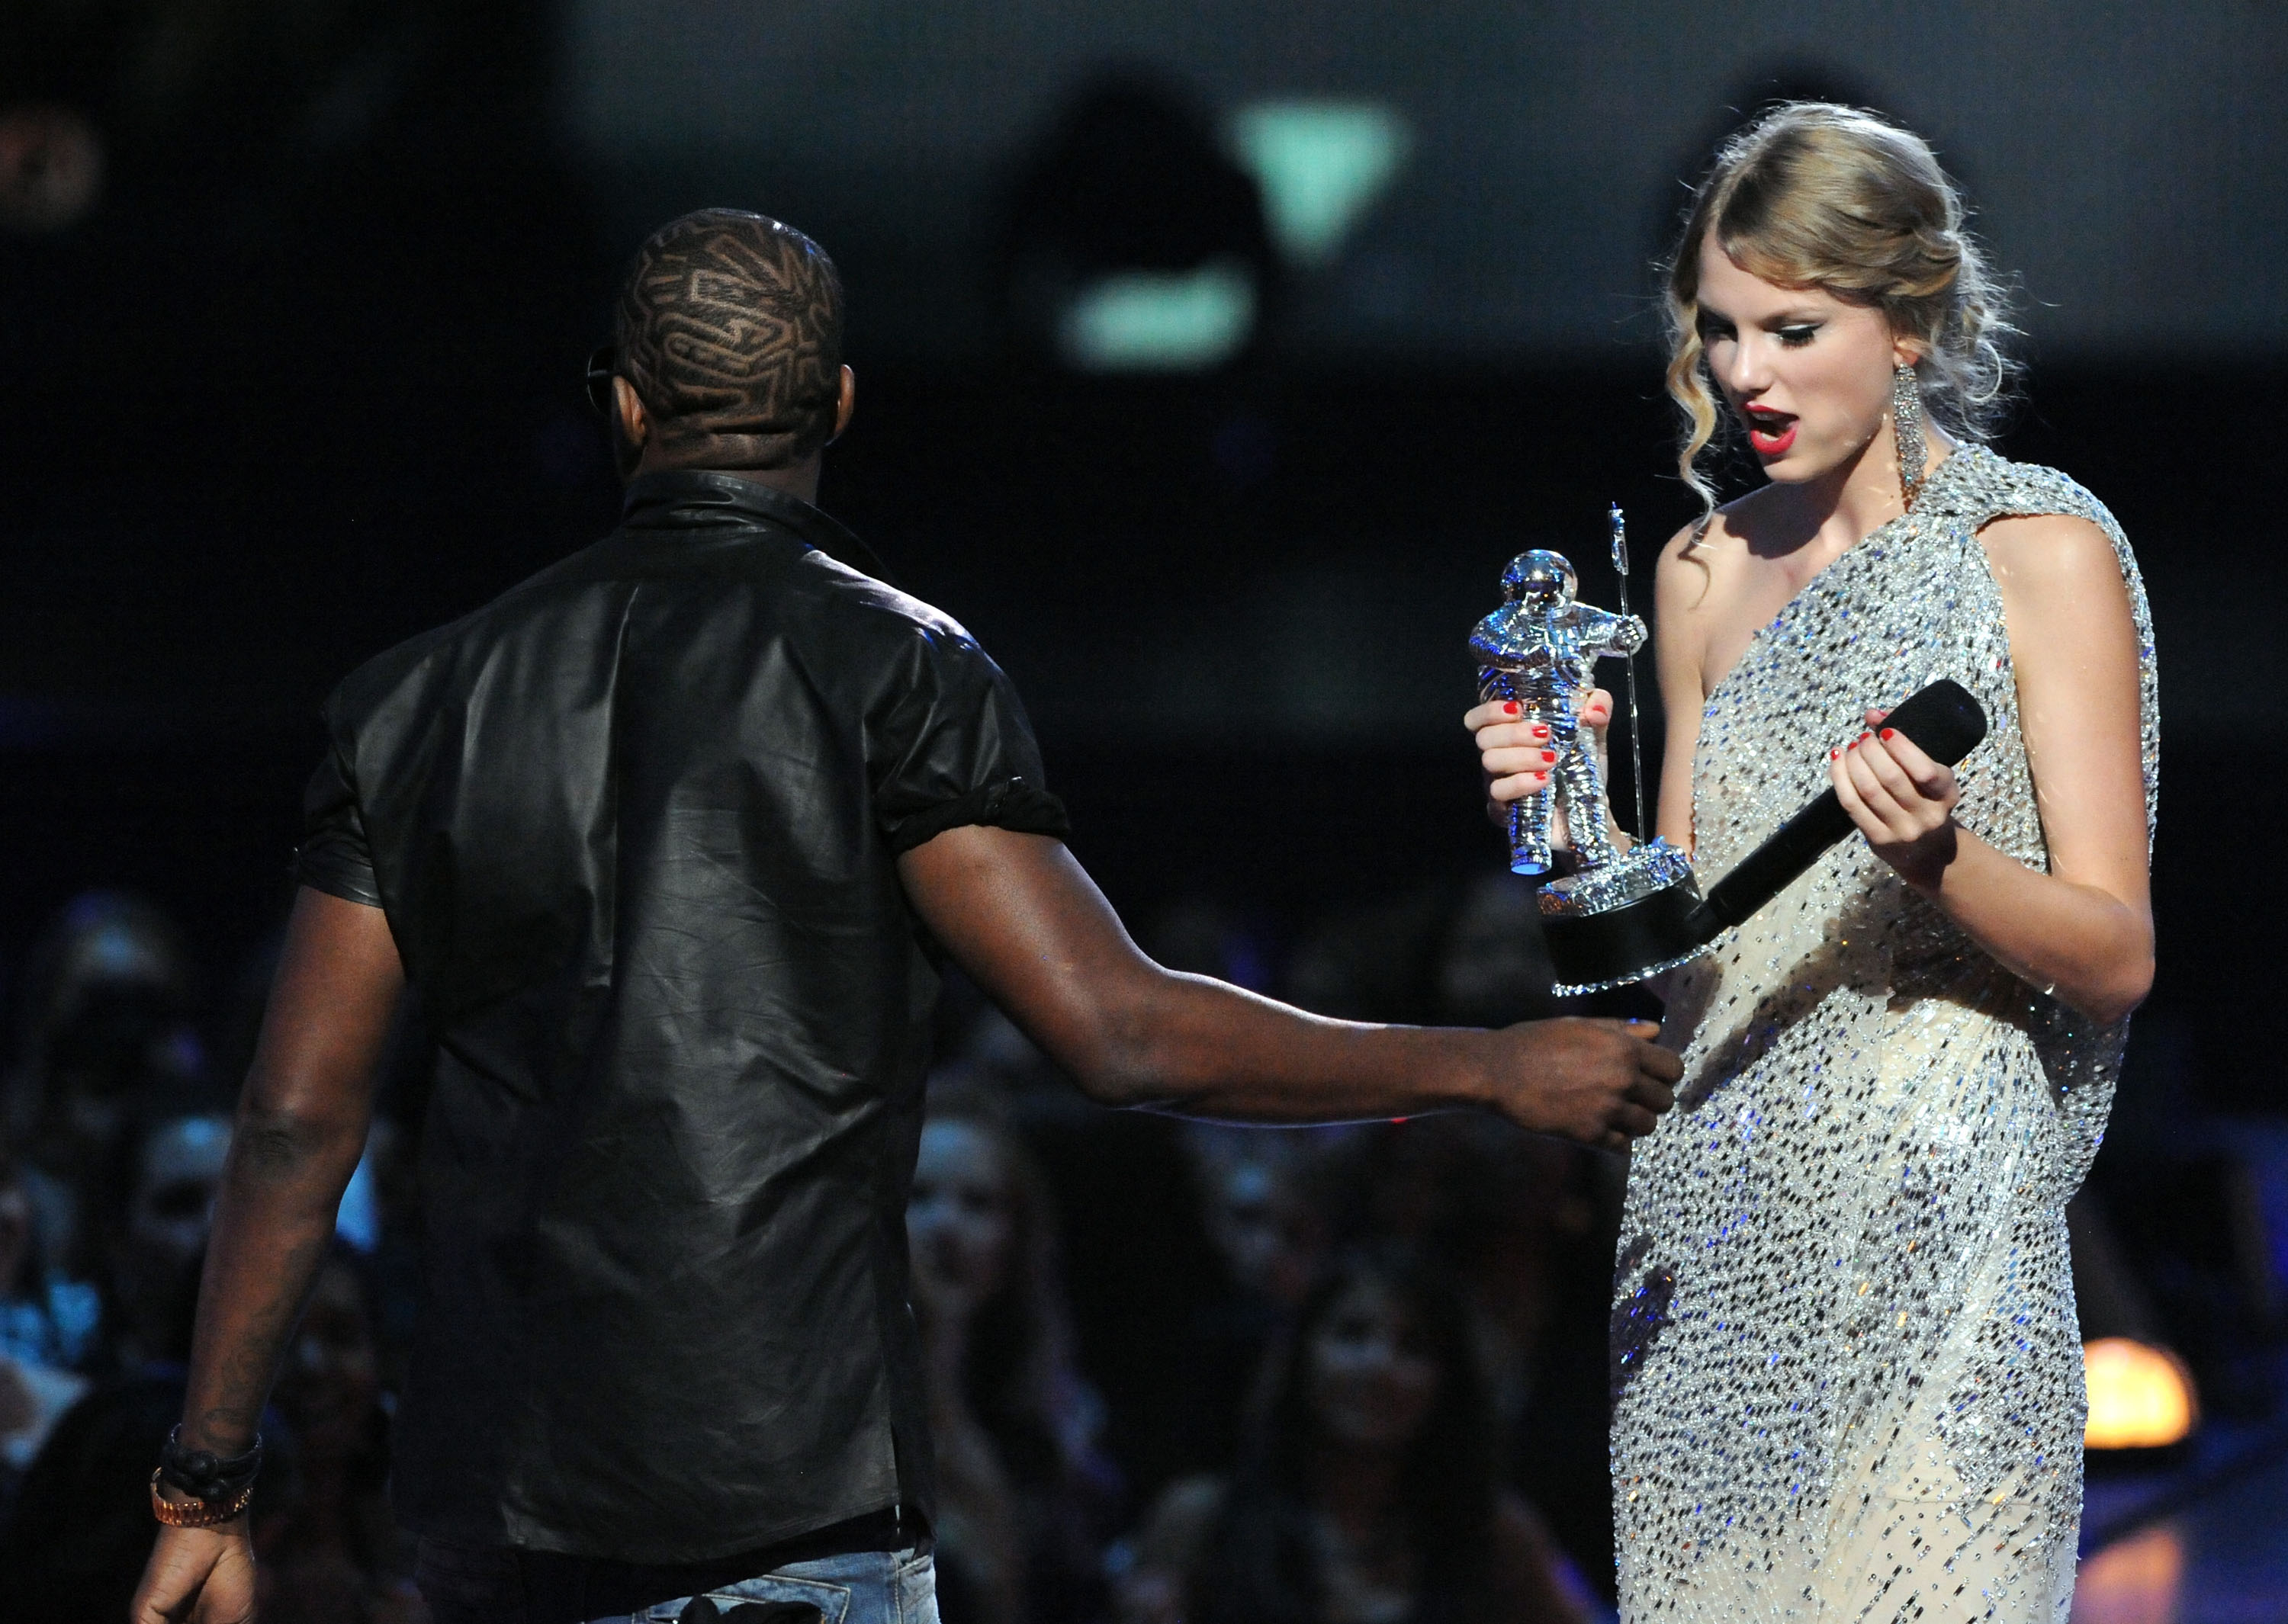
[(1541, 649)]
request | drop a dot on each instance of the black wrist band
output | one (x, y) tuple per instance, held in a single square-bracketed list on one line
[(204, 1475)]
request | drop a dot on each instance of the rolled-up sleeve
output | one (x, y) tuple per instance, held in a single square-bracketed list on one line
[(334, 855), (953, 747)]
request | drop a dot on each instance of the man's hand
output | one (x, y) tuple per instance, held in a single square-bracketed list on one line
[(1604, 1083), (198, 1576)]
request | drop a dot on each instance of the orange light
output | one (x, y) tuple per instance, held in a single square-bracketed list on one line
[(2133, 1580), (2139, 1397)]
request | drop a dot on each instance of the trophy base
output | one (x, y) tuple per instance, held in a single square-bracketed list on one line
[(1608, 926)]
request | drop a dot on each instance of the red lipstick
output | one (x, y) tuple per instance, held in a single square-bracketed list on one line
[(1770, 433)]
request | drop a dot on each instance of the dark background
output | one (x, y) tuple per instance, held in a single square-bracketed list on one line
[(303, 376)]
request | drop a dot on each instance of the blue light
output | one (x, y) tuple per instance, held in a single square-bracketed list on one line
[(1322, 165), (1160, 321)]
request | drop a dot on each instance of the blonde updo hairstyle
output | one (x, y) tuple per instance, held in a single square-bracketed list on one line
[(1816, 196)]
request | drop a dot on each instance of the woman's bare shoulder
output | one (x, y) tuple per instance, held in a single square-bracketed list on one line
[(2064, 546), (2062, 590)]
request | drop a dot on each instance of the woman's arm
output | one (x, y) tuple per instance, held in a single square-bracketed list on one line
[(2085, 929)]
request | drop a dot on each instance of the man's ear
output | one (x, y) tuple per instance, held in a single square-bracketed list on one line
[(628, 411), (846, 405), (631, 428)]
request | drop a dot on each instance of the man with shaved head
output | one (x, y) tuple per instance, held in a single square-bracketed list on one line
[(671, 839)]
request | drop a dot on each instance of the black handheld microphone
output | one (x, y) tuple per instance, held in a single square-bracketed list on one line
[(1943, 719)]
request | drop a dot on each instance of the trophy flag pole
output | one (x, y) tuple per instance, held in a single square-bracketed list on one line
[(1636, 748)]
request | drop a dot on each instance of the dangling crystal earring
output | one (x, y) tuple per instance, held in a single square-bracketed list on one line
[(1907, 429)]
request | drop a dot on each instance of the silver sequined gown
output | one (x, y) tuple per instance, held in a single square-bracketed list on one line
[(1846, 1368)]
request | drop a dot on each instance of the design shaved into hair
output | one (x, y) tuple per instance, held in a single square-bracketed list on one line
[(729, 326)]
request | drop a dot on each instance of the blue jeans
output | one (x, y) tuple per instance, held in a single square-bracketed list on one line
[(464, 1585)]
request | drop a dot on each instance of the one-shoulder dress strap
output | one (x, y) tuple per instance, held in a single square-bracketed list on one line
[(1981, 487)]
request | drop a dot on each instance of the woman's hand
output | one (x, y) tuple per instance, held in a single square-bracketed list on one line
[(1902, 800), (1516, 754)]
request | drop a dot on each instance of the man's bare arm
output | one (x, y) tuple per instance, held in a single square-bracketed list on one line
[(302, 1122), (1024, 920)]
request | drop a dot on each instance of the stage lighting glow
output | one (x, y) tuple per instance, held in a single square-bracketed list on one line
[(2138, 1581), (1322, 165), (1159, 321), (2139, 1397)]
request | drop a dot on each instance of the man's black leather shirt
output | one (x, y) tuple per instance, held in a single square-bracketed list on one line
[(635, 827)]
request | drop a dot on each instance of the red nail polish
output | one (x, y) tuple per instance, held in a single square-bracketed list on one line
[(1513, 708), (1887, 733), (1832, 755), (1549, 754), (1539, 732)]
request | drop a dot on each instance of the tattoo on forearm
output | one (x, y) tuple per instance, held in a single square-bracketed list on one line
[(265, 1152), (257, 1301)]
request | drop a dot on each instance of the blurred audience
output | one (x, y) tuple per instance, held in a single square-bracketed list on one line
[(334, 1553), (1193, 1248), (34, 1388), (1364, 1442), (104, 1222), (1528, 1228), (1193, 1243), (1027, 1497), (104, 1018), (1468, 953), (1269, 1231), (1488, 965), (1369, 1490), (1140, 1271), (149, 1214)]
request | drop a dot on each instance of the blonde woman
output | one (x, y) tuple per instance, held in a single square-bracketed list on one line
[(1847, 1370)]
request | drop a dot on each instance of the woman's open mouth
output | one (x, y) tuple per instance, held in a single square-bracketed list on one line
[(1770, 433)]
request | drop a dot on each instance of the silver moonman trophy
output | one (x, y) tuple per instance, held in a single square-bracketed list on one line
[(1540, 650), (1619, 916)]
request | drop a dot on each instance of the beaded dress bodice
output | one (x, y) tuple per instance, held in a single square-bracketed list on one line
[(1846, 1362)]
